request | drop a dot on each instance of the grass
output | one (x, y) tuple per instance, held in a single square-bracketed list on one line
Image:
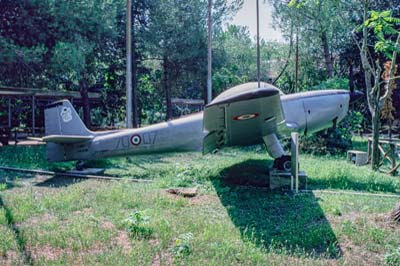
[(234, 220)]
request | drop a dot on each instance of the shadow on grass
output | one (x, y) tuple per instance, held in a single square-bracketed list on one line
[(21, 242), (280, 222), (59, 181), (7, 180)]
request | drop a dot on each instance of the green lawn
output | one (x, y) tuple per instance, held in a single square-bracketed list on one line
[(235, 219)]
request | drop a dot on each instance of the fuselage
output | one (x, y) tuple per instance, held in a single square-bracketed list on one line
[(305, 112)]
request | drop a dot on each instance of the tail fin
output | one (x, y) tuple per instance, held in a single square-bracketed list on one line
[(63, 127), (62, 119)]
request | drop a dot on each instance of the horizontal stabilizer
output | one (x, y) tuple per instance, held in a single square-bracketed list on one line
[(35, 139), (66, 139)]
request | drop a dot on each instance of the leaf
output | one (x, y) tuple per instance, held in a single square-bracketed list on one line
[(393, 20), (386, 13), (378, 29), (292, 3)]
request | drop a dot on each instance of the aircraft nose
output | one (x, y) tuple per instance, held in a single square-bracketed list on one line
[(355, 96)]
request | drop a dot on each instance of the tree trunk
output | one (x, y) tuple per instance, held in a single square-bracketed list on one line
[(351, 76), (375, 138), (372, 94), (167, 89), (327, 54), (85, 101)]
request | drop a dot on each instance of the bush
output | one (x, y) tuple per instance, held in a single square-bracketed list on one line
[(138, 225), (334, 140), (182, 245)]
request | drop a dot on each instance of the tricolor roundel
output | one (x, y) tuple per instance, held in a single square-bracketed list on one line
[(245, 116), (136, 140)]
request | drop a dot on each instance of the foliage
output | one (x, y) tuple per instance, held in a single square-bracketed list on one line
[(80, 45), (138, 225), (333, 141), (151, 100), (354, 121), (336, 140), (393, 259), (320, 34), (182, 245), (332, 83), (384, 25)]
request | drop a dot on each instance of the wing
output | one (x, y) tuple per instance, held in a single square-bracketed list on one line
[(66, 139), (242, 116)]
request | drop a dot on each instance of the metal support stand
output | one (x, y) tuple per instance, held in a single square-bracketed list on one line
[(295, 162), (9, 113), (294, 179)]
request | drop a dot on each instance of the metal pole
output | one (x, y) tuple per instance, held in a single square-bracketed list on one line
[(33, 116), (295, 162), (9, 113), (258, 45), (209, 58), (297, 61), (129, 121)]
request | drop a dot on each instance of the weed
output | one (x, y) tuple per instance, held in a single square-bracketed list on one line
[(182, 245), (138, 225), (337, 212), (393, 258)]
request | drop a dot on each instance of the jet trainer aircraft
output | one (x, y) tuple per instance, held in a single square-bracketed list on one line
[(240, 116)]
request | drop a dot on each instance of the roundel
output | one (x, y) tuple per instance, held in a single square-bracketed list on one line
[(245, 116), (136, 140), (66, 114)]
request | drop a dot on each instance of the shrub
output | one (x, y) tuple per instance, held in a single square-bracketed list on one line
[(182, 245), (138, 225), (334, 140)]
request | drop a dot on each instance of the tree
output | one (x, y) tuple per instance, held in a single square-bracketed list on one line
[(177, 40), (387, 43), (68, 41), (314, 23), (80, 45)]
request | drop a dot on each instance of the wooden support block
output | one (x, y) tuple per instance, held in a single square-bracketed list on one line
[(88, 171)]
